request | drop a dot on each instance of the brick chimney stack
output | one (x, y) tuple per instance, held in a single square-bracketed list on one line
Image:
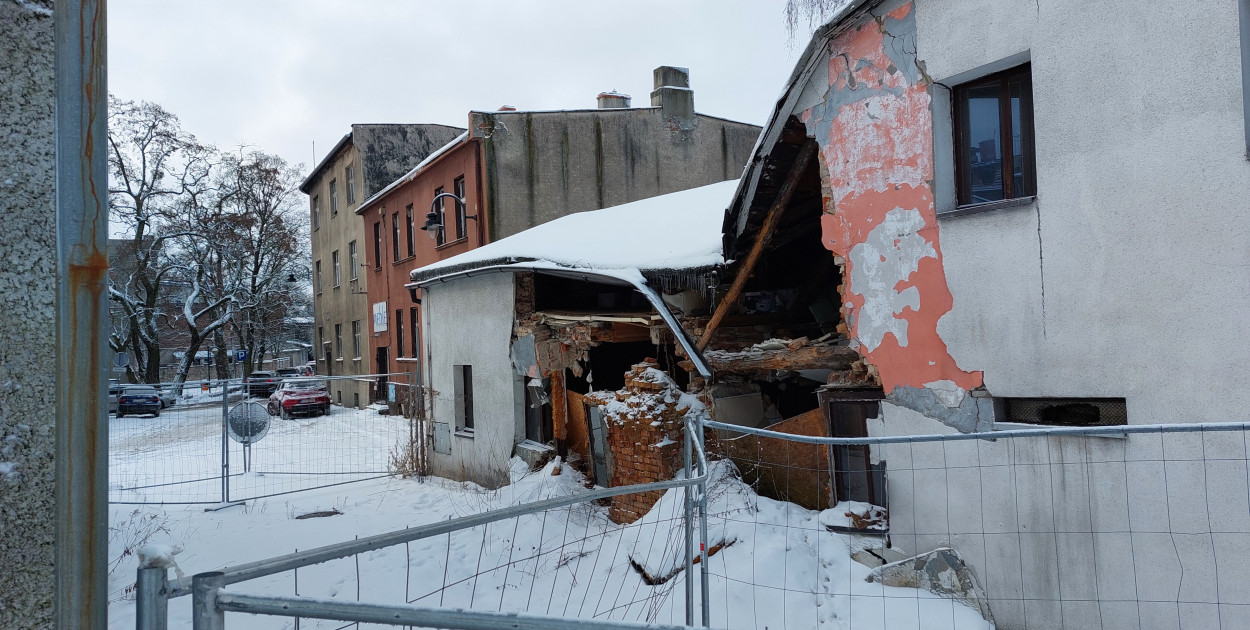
[(613, 100)]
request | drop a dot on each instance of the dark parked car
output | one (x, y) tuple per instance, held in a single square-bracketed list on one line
[(300, 397), (261, 383), (139, 399)]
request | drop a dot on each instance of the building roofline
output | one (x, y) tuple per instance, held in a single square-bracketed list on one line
[(739, 207), (324, 163), (430, 160)]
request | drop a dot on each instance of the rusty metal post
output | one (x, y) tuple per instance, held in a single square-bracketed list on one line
[(152, 599), (81, 555)]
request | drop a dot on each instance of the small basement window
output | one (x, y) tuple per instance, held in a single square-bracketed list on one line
[(1062, 412)]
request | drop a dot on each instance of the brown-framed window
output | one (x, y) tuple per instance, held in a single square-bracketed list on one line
[(395, 235), (412, 243), (377, 245), (440, 237), (462, 228), (399, 332), (994, 156)]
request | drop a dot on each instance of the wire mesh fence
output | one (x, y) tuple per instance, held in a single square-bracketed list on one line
[(183, 450), (1075, 528)]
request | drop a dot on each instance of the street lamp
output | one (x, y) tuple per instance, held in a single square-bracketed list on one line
[(434, 218)]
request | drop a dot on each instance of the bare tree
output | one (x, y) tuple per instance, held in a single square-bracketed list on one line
[(153, 166), (808, 14)]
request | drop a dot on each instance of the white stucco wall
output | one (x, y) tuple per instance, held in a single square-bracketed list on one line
[(468, 321), (1139, 240), (1141, 221)]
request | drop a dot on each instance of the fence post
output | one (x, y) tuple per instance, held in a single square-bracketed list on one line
[(689, 522), (204, 612), (703, 568), (225, 441), (152, 599)]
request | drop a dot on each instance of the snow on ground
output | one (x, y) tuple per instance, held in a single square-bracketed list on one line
[(177, 457), (775, 565)]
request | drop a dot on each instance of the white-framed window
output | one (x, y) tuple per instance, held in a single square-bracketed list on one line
[(338, 341), (334, 198), (316, 212), (317, 275), (462, 209), (350, 176), (338, 271), (353, 260)]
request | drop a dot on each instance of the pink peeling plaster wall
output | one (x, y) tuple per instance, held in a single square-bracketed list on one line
[(875, 131)]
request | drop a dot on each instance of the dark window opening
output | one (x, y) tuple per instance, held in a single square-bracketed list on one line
[(399, 332), (606, 365), (395, 234), (412, 243), (557, 293), (994, 157), (440, 237), (463, 386), (462, 228), (377, 244), (416, 339), (538, 418), (1063, 412)]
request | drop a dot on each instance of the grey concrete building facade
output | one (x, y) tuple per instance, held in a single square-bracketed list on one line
[(361, 164), (543, 165)]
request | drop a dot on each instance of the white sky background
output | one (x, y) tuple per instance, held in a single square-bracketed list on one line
[(281, 74)]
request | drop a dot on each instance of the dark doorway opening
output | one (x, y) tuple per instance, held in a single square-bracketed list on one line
[(855, 476)]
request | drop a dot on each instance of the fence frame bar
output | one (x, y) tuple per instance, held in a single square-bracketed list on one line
[(1117, 430), (404, 614)]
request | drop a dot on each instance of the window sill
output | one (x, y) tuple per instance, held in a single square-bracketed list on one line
[(357, 359), (988, 206), (339, 360), (451, 243), (1020, 426), (464, 433), (407, 359), (403, 260)]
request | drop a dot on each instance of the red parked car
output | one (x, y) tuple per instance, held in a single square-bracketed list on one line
[(300, 397)]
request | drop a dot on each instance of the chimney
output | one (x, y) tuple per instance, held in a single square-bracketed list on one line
[(613, 100), (507, 108), (672, 94)]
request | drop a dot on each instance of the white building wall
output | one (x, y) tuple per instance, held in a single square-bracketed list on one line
[(468, 321), (1122, 279), (1126, 278)]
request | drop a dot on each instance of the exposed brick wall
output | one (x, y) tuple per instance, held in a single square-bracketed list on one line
[(644, 436)]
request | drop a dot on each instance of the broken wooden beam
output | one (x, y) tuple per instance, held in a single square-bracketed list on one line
[(823, 357), (761, 239)]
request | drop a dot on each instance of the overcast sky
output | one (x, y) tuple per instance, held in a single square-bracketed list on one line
[(281, 75)]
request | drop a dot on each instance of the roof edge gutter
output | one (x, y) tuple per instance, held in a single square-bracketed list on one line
[(652, 296)]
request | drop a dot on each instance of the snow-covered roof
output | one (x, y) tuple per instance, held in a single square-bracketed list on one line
[(412, 173), (680, 230)]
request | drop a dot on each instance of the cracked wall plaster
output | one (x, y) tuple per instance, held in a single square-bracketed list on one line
[(874, 127)]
